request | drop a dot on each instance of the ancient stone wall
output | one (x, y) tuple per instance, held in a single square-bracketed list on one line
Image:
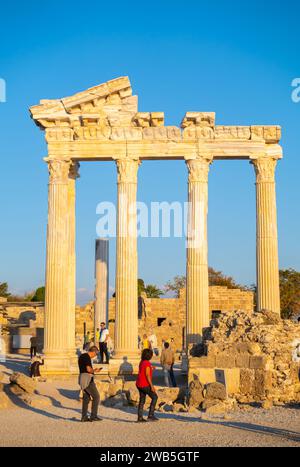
[(166, 317), (257, 355)]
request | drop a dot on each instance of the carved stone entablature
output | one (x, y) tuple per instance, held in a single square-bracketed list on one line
[(269, 134), (197, 132), (126, 134), (202, 119), (105, 99), (59, 134), (92, 133), (149, 119), (109, 112), (228, 133)]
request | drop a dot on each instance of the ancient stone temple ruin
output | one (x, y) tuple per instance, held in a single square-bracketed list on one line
[(103, 124)]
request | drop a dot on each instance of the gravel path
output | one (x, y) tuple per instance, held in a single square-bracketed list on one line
[(58, 425)]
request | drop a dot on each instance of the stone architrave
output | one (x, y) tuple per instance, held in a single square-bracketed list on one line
[(197, 289), (102, 279), (59, 341), (268, 292), (126, 339)]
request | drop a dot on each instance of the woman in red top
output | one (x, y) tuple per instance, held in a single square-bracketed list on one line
[(145, 386)]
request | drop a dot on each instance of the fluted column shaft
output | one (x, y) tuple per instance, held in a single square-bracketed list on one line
[(268, 293), (197, 288), (59, 321), (73, 175), (102, 278), (126, 338)]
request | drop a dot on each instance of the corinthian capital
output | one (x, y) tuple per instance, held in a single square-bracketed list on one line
[(59, 170), (199, 169), (127, 170), (265, 169)]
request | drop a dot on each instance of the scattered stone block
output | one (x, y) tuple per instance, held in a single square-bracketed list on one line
[(243, 360), (225, 360), (133, 396), (216, 391), (24, 382), (262, 383), (195, 396), (247, 378), (203, 362), (258, 362), (204, 375), (217, 409)]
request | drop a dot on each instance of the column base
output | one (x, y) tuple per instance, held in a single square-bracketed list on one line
[(124, 366), (60, 364)]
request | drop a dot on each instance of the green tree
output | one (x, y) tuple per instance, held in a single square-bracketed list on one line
[(177, 284), (141, 287), (289, 280), (217, 278), (39, 295), (4, 289), (152, 291)]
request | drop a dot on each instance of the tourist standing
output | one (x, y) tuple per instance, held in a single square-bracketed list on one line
[(145, 342), (167, 361), (153, 343), (104, 335), (145, 386), (35, 368), (87, 341), (33, 346), (88, 386)]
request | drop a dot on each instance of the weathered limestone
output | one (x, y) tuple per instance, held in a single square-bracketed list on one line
[(103, 123), (73, 175), (197, 250), (268, 294), (126, 339), (102, 279), (59, 319), (255, 354)]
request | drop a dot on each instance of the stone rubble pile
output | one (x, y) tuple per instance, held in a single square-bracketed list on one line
[(264, 348)]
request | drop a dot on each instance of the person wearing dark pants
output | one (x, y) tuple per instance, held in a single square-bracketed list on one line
[(90, 393), (145, 386), (104, 334), (33, 347), (88, 386)]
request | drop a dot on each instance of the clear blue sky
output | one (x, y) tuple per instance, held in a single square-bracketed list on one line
[(235, 58)]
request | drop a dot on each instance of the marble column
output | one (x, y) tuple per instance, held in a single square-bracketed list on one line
[(268, 293), (73, 176), (197, 288), (59, 334), (126, 327), (101, 286)]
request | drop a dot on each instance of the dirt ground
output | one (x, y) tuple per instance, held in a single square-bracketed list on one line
[(58, 424)]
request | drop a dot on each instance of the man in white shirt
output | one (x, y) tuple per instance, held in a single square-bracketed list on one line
[(104, 335), (153, 343)]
